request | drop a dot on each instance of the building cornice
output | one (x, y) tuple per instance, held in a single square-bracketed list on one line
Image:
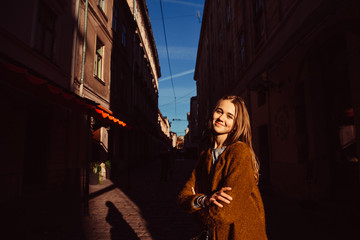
[(150, 34), (202, 31)]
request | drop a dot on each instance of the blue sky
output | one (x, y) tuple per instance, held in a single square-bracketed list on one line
[(182, 32)]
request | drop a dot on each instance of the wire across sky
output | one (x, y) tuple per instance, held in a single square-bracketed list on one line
[(167, 52), (176, 29)]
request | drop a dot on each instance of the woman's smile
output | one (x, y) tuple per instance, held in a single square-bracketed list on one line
[(219, 123)]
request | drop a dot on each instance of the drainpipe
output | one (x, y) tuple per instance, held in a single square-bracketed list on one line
[(83, 52), (88, 140), (75, 45)]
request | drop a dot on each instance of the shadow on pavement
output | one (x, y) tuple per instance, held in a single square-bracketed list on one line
[(119, 227), (156, 196)]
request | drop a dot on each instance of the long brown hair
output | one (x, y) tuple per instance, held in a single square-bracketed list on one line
[(241, 129)]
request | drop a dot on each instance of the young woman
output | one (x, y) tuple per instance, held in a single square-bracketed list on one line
[(222, 191)]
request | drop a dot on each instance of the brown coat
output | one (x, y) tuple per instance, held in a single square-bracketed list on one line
[(244, 217)]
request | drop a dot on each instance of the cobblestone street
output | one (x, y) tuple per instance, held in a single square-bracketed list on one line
[(147, 211)]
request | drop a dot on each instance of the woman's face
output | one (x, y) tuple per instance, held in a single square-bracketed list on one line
[(224, 117)]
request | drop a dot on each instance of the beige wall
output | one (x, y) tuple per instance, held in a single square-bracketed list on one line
[(99, 25)]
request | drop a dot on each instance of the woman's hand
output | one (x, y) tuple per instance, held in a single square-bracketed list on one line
[(219, 196)]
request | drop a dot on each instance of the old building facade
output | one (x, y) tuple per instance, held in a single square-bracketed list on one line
[(45, 141), (80, 82), (133, 73), (146, 74), (294, 64), (192, 137)]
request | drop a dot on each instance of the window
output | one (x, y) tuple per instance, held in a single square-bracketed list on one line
[(102, 4), (242, 50), (45, 30), (228, 13), (264, 153), (220, 38), (115, 19), (114, 81), (123, 36), (99, 59), (258, 6), (261, 97)]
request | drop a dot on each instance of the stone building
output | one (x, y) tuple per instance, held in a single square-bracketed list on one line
[(120, 73), (134, 71), (164, 124), (46, 132), (192, 137), (79, 85), (146, 71), (174, 138), (295, 64), (164, 132)]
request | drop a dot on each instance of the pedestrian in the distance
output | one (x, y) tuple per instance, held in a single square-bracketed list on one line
[(222, 191)]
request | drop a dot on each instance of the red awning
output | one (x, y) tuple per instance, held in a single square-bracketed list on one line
[(107, 114), (21, 78)]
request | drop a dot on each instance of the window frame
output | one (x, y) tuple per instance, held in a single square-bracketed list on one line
[(101, 4), (115, 19), (228, 13), (258, 20), (99, 57), (123, 35), (45, 33), (242, 50)]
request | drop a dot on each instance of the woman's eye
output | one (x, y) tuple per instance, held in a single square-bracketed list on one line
[(230, 117)]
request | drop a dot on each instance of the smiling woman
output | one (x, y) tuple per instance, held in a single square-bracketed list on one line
[(222, 191)]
